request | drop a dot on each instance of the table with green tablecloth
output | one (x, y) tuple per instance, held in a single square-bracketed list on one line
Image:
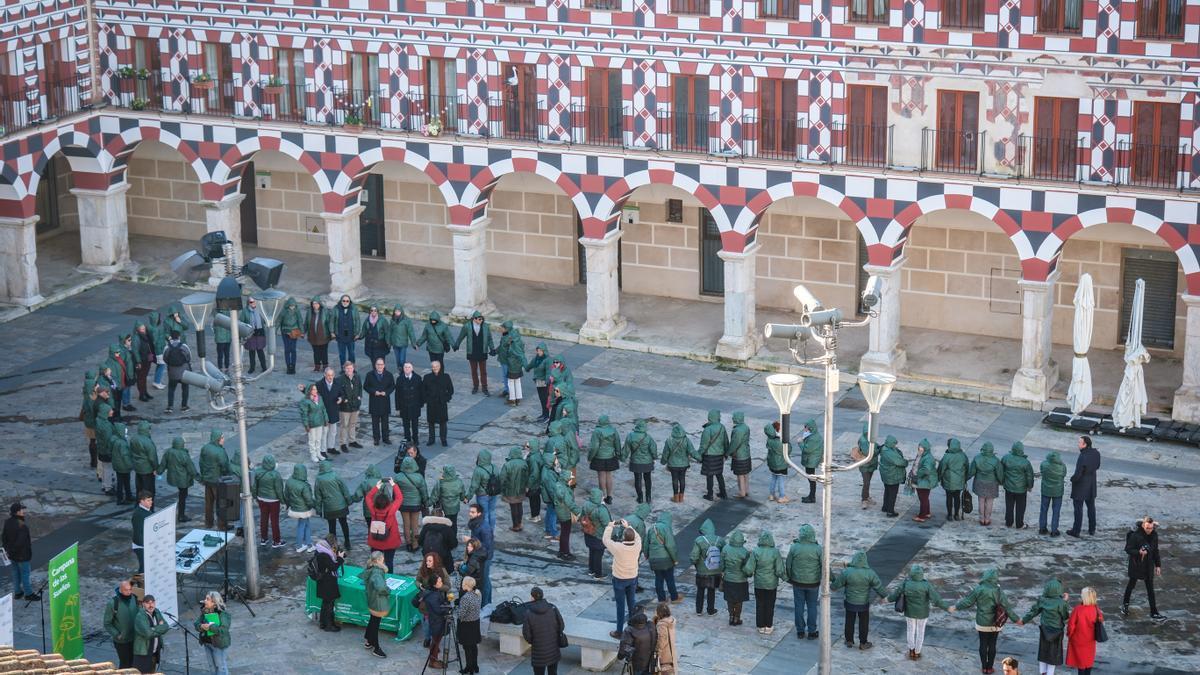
[(352, 606)]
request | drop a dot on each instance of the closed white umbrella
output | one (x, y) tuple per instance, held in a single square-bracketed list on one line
[(1079, 394), (1131, 397)]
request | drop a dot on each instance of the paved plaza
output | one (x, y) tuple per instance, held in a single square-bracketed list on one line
[(46, 467)]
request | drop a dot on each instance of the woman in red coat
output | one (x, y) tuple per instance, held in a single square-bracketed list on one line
[(383, 534), (1081, 633)]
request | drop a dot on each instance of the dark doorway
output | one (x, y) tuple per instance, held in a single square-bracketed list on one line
[(249, 207), (1160, 270), (712, 268), (583, 253), (370, 221), (47, 196)]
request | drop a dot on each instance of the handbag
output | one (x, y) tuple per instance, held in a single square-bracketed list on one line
[(1101, 633), (967, 502), (1001, 614), (901, 601), (379, 529), (295, 333)]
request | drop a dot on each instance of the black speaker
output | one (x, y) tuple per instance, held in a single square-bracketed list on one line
[(228, 491), (264, 272)]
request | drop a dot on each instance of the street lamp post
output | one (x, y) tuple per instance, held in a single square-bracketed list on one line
[(821, 326)]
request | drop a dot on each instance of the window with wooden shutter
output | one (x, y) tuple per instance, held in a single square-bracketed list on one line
[(865, 136), (1160, 19), (958, 131), (1160, 270), (690, 114), (441, 87), (520, 100), (777, 124), (604, 114), (1154, 155), (1054, 144), (966, 14), (1060, 16)]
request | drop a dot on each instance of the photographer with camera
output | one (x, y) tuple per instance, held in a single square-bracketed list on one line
[(1141, 545), (638, 644), (383, 532), (326, 565), (437, 609)]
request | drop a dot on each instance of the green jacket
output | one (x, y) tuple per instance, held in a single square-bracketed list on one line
[(1054, 472), (511, 351), (400, 330), (113, 363), (640, 447), (514, 475), (605, 442), (379, 596), (739, 437), (466, 332), (892, 464), (536, 462), (733, 558), (539, 365), (678, 450), (563, 498), (595, 510), (87, 410), (268, 484), (297, 493), (638, 519), (143, 632), (313, 414), (919, 594), (219, 633), (177, 324), (221, 335), (1053, 609), (448, 491), (812, 448), (214, 460), (137, 521), (413, 488), (145, 452), (352, 392), (864, 444), (984, 599), (715, 439), (1018, 471), (119, 615), (927, 475), (707, 539), (178, 465), (325, 319), (104, 430), (765, 564), (659, 543), (157, 330), (370, 479), (859, 580), (290, 318), (952, 470), (985, 466), (484, 470), (330, 492), (804, 558), (435, 336), (122, 456), (776, 460)]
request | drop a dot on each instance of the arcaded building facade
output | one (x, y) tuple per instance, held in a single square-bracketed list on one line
[(977, 155)]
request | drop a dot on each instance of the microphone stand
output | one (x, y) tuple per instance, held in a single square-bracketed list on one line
[(40, 593), (187, 656)]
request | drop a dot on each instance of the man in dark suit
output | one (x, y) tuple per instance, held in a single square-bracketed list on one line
[(409, 401), (330, 391), (378, 386), (1083, 486)]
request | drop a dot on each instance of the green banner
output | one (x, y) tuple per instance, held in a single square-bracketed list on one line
[(66, 628)]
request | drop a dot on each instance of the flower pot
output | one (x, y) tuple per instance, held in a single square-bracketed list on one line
[(203, 85), (354, 128), (273, 90)]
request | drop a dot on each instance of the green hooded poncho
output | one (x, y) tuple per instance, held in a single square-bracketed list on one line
[(400, 331), (864, 444), (659, 543), (985, 466), (297, 493), (734, 556), (1018, 471), (765, 564), (289, 318), (678, 450), (145, 453), (892, 464), (484, 470), (984, 599), (122, 458), (214, 459), (413, 488), (535, 460), (804, 559), (640, 448), (812, 448), (177, 464), (926, 471), (158, 331), (563, 498), (539, 365), (919, 594), (739, 437), (332, 497), (268, 484), (595, 510), (448, 491), (175, 321), (706, 540), (952, 470), (1053, 609), (714, 440), (776, 460), (1054, 474), (435, 336), (370, 479), (638, 520), (510, 353), (514, 476), (605, 443), (859, 580)]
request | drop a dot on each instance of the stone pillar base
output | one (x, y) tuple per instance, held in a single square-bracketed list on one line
[(463, 312), (357, 294), (1187, 405), (1034, 384), (738, 349), (883, 362), (600, 332)]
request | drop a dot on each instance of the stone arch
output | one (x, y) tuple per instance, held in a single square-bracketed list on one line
[(121, 146), (477, 192), (809, 185), (85, 156), (896, 234), (608, 207), (350, 181), (228, 170)]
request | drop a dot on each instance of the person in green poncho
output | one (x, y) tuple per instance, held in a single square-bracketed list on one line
[(812, 452), (926, 479), (776, 464), (952, 474), (641, 451), (291, 327), (867, 470), (1054, 473), (604, 455), (739, 452), (714, 449), (678, 454)]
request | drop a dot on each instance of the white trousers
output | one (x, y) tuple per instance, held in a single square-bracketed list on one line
[(916, 634), (104, 472), (331, 434), (1046, 668), (514, 389), (316, 437)]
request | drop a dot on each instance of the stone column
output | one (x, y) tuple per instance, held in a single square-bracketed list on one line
[(18, 261), (103, 228), (883, 343), (603, 291), (1187, 397), (1038, 373), (225, 216), (345, 254), (470, 268), (741, 338)]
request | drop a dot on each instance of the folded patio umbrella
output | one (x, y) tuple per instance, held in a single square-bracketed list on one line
[(1079, 394), (1131, 397)]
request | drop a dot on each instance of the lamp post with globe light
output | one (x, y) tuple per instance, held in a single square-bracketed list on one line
[(821, 326)]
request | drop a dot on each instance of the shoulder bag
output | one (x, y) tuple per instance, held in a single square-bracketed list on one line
[(1101, 634), (901, 600)]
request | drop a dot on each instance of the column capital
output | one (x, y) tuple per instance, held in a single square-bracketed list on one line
[(1192, 301), (477, 225), (112, 191), (1035, 285), (886, 270), (610, 238), (16, 223), (351, 212), (225, 203), (739, 256)]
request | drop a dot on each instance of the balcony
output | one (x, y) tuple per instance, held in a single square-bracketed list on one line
[(684, 131), (868, 145), (952, 151), (515, 118), (788, 10), (1050, 158), (692, 7), (1162, 166), (54, 99), (599, 125)]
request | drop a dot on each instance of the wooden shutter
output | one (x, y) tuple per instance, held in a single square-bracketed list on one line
[(1160, 270)]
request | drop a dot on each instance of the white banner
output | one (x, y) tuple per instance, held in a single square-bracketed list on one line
[(158, 536), (6, 620)]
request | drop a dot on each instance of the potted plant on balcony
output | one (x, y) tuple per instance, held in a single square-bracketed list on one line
[(202, 81), (143, 74), (352, 122), (433, 127), (273, 86), (126, 72), (138, 104)]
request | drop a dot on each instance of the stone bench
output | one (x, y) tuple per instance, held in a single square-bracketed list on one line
[(598, 649)]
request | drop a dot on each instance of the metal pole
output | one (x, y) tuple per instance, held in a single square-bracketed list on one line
[(239, 407), (831, 388)]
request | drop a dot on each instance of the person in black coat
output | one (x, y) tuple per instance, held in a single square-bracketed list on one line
[(437, 389), (410, 398), (437, 536), (1083, 486), (328, 561), (1141, 545), (638, 643), (473, 565), (329, 388), (437, 608), (543, 624), (378, 386), (19, 547)]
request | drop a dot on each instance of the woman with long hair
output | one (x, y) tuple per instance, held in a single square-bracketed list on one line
[(664, 624), (374, 577), (213, 628)]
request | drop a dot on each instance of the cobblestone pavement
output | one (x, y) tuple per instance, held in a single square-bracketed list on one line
[(45, 465)]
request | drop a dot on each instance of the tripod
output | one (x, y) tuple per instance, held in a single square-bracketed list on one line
[(450, 637), (232, 591)]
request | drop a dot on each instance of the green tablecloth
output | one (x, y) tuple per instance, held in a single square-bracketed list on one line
[(352, 606)]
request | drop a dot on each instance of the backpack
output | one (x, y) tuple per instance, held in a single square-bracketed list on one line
[(492, 485), (175, 356), (712, 558), (588, 526), (378, 530), (314, 572)]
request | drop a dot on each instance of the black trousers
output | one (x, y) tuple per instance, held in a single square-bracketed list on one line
[(953, 503), (124, 654), (764, 607), (262, 358), (123, 490), (678, 479), (320, 355), (638, 480), (1149, 592), (144, 482), (372, 633), (889, 497), (812, 485), (720, 482), (864, 625), (551, 669), (987, 648), (1079, 505), (171, 384), (331, 522), (381, 428), (866, 484), (145, 664), (535, 503), (1014, 508), (595, 556), (181, 502), (544, 397), (471, 653), (706, 595), (515, 511), (326, 613), (92, 451), (412, 429), (223, 355), (441, 428)]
